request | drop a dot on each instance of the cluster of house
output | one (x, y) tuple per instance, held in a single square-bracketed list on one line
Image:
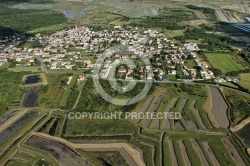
[(68, 48), (226, 79), (8, 49)]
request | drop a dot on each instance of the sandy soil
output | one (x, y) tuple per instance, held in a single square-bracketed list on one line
[(233, 151), (197, 114), (219, 108), (172, 152), (134, 153), (248, 151), (211, 154), (200, 153), (240, 125), (184, 154)]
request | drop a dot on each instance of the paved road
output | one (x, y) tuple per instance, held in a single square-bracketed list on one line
[(43, 66)]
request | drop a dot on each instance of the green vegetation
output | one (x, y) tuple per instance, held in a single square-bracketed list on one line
[(25, 20), (10, 92), (67, 90), (224, 62), (240, 106), (88, 126), (51, 94), (245, 80)]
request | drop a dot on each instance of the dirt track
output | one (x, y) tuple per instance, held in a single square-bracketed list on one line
[(135, 154)]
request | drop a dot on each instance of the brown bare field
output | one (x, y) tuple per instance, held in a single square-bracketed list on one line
[(197, 114), (172, 152), (219, 108), (233, 152), (184, 154), (211, 154), (200, 152)]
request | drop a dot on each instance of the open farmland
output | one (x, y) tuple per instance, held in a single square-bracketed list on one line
[(245, 80), (224, 62)]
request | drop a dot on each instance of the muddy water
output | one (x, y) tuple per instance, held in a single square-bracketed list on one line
[(244, 134), (31, 97)]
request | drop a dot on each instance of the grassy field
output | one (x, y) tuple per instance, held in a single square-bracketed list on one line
[(67, 91), (52, 28), (245, 80), (23, 69), (224, 62)]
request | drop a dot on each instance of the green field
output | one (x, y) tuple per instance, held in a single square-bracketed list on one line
[(224, 62), (67, 91), (245, 80), (51, 28)]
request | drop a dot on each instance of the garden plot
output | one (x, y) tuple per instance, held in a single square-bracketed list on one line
[(211, 154), (172, 152), (197, 114), (200, 153), (233, 151), (184, 154)]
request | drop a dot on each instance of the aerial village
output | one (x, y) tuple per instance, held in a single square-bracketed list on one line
[(79, 47)]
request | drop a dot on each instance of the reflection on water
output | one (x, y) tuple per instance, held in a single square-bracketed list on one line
[(32, 79)]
